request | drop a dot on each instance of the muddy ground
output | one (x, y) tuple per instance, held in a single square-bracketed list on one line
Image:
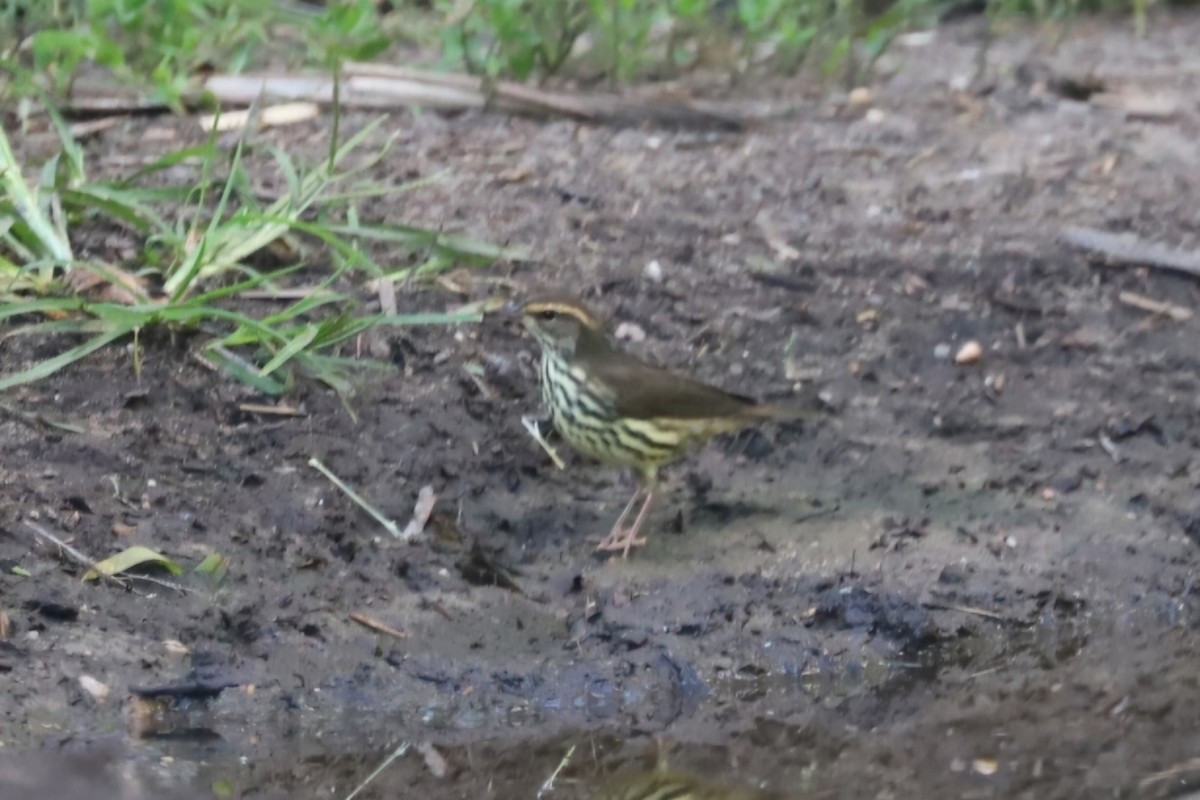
[(974, 581)]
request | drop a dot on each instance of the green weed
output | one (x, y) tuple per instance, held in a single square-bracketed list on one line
[(195, 268)]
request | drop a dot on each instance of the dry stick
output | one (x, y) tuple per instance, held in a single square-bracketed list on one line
[(1130, 249), (266, 410), (293, 293), (1175, 312), (94, 566), (377, 626), (548, 785), (399, 751), (388, 525), (978, 612), (75, 555), (535, 431), (382, 86), (1191, 765)]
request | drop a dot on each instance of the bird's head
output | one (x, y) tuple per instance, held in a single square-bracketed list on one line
[(558, 321)]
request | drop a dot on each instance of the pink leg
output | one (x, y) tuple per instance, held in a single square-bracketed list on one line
[(613, 540), (628, 539), (628, 507)]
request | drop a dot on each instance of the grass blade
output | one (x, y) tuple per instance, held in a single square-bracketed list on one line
[(289, 350)]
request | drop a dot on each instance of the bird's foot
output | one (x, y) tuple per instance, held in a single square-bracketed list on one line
[(621, 540)]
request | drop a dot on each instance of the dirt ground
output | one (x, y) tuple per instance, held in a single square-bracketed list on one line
[(973, 581)]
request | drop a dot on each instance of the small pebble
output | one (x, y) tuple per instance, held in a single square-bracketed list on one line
[(629, 332), (860, 96), (941, 352), (969, 353), (654, 271)]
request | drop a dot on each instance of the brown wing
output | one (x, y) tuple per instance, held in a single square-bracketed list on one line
[(647, 392)]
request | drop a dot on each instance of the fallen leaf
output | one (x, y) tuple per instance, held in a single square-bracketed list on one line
[(128, 559)]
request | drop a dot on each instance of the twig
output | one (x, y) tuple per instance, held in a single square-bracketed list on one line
[(383, 86), (75, 555), (388, 525), (82, 130), (278, 411), (399, 751), (290, 293), (979, 612), (531, 425), (377, 626), (548, 784), (1177, 313), (1130, 249), (824, 512), (160, 582), (1191, 765)]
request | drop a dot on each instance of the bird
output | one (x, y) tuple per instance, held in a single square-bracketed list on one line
[(622, 411)]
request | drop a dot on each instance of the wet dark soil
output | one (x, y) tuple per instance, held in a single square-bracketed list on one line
[(973, 581)]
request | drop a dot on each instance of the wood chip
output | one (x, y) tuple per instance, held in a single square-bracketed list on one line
[(1138, 105), (271, 116), (426, 500), (95, 688), (387, 297)]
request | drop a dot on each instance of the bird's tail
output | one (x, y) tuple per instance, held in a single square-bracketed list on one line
[(783, 413)]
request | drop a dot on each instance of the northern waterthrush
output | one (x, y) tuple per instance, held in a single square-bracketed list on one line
[(622, 411)]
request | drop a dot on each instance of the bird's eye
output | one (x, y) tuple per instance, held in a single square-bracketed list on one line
[(548, 314)]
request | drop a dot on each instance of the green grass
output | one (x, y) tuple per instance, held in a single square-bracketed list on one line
[(196, 264), (159, 46), (623, 40)]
